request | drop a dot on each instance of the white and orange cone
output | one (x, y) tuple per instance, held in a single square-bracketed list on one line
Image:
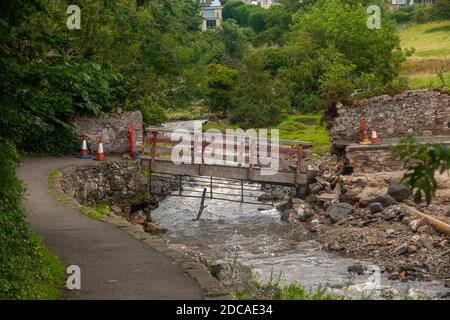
[(374, 138), (100, 152), (84, 153)]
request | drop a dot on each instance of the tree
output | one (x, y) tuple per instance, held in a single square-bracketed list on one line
[(441, 9), (426, 159), (259, 100), (342, 25), (234, 39), (221, 82)]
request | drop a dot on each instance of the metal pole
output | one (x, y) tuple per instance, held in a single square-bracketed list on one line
[(242, 190)]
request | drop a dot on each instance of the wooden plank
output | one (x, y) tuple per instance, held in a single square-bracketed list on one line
[(239, 173), (279, 141)]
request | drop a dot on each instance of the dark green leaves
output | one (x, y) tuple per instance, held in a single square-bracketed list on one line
[(424, 160)]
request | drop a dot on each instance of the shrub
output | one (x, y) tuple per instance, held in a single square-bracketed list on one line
[(153, 113), (27, 269)]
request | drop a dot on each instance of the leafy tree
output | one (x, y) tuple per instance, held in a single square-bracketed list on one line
[(424, 160), (441, 9), (221, 82), (342, 25), (259, 100), (234, 40)]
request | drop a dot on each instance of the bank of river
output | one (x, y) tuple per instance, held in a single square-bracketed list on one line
[(258, 238)]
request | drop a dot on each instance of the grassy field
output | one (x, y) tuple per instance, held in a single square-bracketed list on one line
[(295, 127), (431, 42)]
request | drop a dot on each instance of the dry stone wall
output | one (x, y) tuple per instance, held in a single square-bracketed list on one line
[(419, 112), (374, 159), (113, 128), (114, 182)]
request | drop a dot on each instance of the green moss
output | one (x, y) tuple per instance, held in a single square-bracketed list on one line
[(96, 211), (53, 175), (61, 198)]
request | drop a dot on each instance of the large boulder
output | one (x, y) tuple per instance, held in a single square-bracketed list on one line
[(338, 211), (399, 191)]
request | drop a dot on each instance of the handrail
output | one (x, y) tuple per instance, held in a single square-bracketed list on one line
[(280, 141)]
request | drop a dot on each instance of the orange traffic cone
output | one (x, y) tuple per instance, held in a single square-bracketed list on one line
[(374, 138), (100, 153), (84, 154)]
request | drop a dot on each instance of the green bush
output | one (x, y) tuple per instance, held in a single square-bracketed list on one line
[(308, 103), (27, 269), (153, 114)]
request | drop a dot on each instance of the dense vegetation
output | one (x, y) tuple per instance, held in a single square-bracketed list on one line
[(423, 12), (262, 68), (27, 269), (151, 55)]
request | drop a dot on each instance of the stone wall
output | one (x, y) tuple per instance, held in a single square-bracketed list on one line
[(365, 159), (113, 128), (420, 113), (114, 182)]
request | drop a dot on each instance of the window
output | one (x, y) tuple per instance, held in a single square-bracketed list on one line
[(210, 24)]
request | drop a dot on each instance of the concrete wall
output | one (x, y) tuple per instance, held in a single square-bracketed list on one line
[(420, 113), (113, 128)]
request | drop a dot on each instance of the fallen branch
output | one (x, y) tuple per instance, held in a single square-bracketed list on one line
[(437, 224), (202, 205)]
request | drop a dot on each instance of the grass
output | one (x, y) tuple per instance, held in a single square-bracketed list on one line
[(292, 291), (306, 128), (97, 211), (431, 42), (53, 175), (427, 81), (51, 288), (428, 39), (295, 127)]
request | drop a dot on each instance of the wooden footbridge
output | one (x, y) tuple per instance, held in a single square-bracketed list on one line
[(228, 170)]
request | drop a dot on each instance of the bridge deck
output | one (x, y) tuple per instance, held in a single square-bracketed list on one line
[(159, 146)]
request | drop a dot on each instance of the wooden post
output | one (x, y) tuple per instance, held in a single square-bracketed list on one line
[(210, 187), (299, 163), (202, 205), (271, 193), (153, 153), (180, 178), (202, 165)]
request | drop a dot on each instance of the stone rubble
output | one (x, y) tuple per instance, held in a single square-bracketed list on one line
[(362, 218)]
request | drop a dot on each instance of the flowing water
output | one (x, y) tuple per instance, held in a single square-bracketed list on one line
[(255, 236)]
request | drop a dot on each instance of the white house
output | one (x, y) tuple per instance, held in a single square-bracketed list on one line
[(211, 13)]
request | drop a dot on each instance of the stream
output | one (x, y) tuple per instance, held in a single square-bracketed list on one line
[(255, 236)]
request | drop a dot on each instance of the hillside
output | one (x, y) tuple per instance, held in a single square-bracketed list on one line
[(431, 42)]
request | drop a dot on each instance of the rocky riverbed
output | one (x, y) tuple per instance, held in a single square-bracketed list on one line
[(365, 217)]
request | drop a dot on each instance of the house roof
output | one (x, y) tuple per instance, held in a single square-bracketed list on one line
[(211, 3)]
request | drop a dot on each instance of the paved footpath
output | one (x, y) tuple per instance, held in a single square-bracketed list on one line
[(113, 264)]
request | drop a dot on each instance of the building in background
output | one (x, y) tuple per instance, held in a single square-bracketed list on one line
[(211, 13), (263, 3)]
